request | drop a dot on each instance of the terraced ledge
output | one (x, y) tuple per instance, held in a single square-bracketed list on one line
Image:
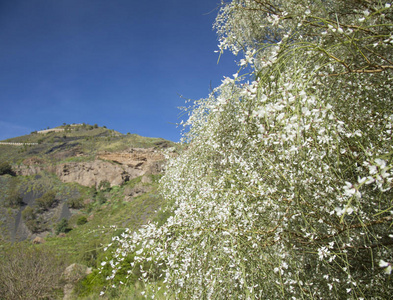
[(18, 144)]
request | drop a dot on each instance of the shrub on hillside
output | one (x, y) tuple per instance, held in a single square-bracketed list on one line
[(5, 168), (62, 227), (75, 203), (33, 220), (14, 199), (90, 252), (30, 272), (47, 200), (29, 213), (81, 220), (104, 186), (101, 198)]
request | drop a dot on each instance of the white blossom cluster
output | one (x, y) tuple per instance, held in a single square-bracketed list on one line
[(285, 188)]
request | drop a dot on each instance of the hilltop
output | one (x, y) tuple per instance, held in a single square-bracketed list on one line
[(82, 140)]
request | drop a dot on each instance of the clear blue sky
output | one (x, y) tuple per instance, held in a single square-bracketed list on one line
[(118, 63)]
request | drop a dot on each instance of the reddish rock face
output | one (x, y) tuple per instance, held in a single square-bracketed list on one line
[(94, 172), (114, 167), (139, 158)]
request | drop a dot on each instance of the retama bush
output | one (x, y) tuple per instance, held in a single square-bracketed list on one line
[(285, 190)]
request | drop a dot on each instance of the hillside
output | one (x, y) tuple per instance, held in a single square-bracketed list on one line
[(76, 162), (61, 187), (83, 141)]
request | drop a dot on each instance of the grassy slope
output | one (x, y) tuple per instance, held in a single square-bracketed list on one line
[(84, 243), (96, 232)]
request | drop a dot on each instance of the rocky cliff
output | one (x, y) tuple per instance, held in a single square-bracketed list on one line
[(114, 167)]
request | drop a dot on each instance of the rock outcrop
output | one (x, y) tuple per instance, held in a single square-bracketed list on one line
[(136, 191), (94, 172), (114, 167), (71, 275), (38, 240)]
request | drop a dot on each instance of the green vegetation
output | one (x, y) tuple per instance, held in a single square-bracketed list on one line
[(77, 221), (11, 195), (33, 220), (14, 199), (87, 232), (76, 203), (5, 168), (47, 200), (30, 272), (104, 186), (81, 220), (62, 227)]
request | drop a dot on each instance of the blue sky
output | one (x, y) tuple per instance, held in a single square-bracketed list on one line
[(118, 63)]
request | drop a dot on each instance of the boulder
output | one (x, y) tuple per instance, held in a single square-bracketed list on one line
[(75, 272), (146, 179), (135, 191), (38, 240), (71, 275)]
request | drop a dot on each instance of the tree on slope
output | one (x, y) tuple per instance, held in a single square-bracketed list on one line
[(285, 190)]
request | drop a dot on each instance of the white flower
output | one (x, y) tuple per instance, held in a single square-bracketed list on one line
[(372, 169), (323, 252), (362, 180), (349, 189), (347, 210), (243, 62), (383, 264), (386, 265), (381, 163)]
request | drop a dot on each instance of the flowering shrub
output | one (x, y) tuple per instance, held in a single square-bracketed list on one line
[(285, 190)]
